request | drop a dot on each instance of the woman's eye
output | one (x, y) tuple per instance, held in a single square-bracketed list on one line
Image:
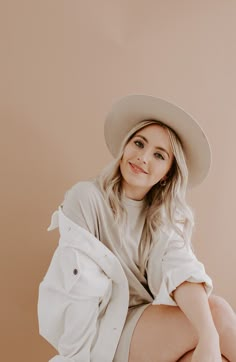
[(139, 144), (159, 155)]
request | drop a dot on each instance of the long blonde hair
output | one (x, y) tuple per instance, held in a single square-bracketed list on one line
[(164, 206)]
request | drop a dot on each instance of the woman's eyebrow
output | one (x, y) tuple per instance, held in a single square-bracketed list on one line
[(158, 148)]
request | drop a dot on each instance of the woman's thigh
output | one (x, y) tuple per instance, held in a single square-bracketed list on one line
[(188, 357), (163, 333)]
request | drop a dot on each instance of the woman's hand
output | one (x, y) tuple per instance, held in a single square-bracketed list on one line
[(208, 348)]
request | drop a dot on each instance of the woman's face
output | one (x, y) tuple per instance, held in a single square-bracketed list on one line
[(146, 160)]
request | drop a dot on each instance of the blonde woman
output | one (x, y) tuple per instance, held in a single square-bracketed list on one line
[(124, 284)]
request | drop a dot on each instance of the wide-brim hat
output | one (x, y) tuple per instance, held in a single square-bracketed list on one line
[(127, 111)]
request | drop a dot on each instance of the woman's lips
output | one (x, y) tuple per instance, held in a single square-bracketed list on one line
[(136, 168)]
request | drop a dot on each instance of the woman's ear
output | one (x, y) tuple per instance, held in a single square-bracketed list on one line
[(165, 177)]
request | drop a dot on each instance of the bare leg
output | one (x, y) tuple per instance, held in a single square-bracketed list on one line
[(225, 321), (163, 333), (188, 358)]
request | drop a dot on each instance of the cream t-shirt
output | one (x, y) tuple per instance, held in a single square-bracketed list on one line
[(85, 205), (134, 226)]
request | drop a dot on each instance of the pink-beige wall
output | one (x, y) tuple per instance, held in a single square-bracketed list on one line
[(62, 64)]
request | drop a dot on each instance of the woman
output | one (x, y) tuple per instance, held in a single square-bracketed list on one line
[(136, 209)]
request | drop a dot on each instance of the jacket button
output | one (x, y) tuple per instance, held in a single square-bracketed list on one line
[(75, 271)]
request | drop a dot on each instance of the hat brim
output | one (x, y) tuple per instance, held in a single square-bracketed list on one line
[(132, 109)]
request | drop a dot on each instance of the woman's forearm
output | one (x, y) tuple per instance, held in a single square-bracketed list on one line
[(193, 301)]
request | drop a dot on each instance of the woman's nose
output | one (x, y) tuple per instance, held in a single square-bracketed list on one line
[(142, 158)]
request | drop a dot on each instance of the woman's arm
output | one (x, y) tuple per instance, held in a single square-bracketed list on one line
[(193, 301)]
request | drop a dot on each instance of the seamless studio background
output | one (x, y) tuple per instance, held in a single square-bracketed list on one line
[(62, 65)]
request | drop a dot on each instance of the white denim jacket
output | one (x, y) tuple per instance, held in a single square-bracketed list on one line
[(84, 296), (83, 299)]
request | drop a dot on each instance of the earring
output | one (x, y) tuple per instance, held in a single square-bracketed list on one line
[(163, 183)]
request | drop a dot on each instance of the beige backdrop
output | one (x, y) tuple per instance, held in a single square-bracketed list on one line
[(62, 64)]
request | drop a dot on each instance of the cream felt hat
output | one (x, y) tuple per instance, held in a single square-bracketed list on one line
[(132, 109)]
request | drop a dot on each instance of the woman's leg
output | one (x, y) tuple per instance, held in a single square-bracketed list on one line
[(163, 333), (188, 358), (225, 322)]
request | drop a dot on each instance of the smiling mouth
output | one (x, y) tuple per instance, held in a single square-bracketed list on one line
[(136, 169)]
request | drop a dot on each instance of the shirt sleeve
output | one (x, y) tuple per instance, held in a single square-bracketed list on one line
[(179, 264)]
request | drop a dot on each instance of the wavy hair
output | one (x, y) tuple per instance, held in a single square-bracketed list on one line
[(165, 207)]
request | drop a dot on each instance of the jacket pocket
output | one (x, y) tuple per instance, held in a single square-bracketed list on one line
[(82, 276), (70, 267)]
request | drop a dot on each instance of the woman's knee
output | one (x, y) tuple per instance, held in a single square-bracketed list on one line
[(219, 306), (222, 313)]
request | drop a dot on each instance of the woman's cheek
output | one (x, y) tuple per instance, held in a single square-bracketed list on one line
[(128, 153)]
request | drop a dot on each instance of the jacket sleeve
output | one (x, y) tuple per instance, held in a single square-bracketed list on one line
[(69, 304), (81, 206), (178, 264)]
